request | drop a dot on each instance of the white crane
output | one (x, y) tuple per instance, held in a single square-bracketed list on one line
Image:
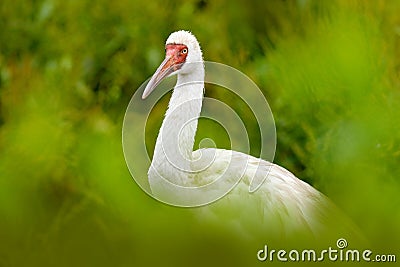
[(283, 204)]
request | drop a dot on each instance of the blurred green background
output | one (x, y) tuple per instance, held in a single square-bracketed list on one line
[(329, 69)]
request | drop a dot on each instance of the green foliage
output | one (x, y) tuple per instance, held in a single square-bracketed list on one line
[(338, 99), (330, 70)]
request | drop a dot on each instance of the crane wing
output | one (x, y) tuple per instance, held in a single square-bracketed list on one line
[(281, 206)]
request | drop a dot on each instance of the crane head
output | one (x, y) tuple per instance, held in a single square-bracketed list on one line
[(181, 47)]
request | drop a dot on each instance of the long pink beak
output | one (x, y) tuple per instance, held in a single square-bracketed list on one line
[(165, 69)]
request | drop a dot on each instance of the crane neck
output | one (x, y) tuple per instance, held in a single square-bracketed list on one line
[(174, 146)]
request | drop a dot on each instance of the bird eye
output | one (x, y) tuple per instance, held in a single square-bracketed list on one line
[(184, 51)]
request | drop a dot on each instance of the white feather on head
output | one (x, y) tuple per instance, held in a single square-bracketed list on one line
[(188, 39)]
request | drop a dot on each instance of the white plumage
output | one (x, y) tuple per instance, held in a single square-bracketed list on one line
[(283, 205)]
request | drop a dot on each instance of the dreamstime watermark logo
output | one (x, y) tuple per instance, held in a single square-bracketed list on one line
[(339, 253), (180, 177)]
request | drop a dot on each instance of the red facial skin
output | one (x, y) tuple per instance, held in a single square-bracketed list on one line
[(175, 56), (177, 53)]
